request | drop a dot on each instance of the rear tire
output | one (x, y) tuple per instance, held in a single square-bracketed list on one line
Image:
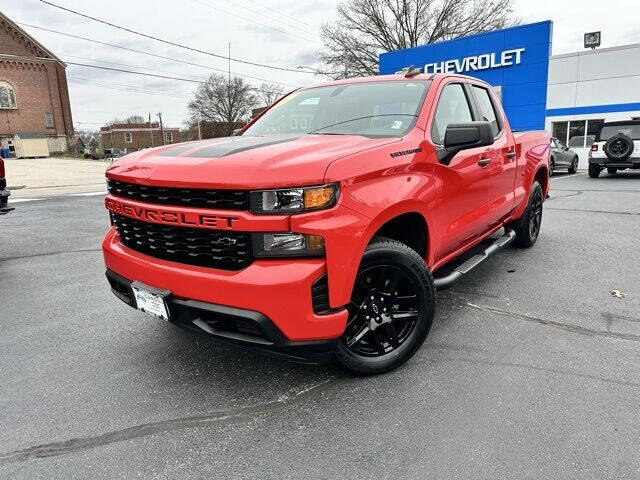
[(394, 288), (612, 171), (594, 170), (574, 166), (528, 226), (552, 166)]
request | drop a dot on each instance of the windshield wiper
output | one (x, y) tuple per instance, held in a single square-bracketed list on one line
[(360, 118)]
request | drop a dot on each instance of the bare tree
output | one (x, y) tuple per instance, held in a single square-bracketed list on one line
[(219, 101), (268, 93), (135, 119), (366, 28)]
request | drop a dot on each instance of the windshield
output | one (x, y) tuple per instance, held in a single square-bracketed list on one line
[(608, 131), (378, 109)]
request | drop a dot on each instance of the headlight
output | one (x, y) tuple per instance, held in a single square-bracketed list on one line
[(287, 245), (294, 200)]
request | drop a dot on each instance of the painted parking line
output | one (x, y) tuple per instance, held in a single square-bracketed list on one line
[(568, 176), (87, 194), (21, 200)]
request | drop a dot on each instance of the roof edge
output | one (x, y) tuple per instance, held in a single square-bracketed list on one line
[(30, 37)]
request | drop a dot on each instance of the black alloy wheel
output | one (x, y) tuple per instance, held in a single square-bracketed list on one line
[(390, 311), (383, 310), (527, 227), (535, 217)]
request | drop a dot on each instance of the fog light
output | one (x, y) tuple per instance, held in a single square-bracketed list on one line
[(287, 245)]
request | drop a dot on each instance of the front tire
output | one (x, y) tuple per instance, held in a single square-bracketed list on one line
[(594, 170), (527, 227), (390, 311)]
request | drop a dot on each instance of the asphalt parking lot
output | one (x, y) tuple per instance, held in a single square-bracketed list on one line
[(531, 370)]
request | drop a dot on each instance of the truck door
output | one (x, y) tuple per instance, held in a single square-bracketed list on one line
[(502, 168), (463, 205)]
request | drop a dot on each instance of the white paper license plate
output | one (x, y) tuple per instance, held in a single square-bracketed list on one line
[(150, 302)]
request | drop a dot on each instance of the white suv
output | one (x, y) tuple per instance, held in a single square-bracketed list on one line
[(616, 147)]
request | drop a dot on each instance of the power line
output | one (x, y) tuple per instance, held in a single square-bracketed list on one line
[(304, 29), (168, 42), (65, 55), (127, 88), (154, 54), (279, 30), (134, 72), (281, 13)]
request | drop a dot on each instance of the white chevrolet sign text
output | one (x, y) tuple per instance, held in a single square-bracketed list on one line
[(477, 62)]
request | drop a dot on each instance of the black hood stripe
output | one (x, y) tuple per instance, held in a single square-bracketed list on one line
[(229, 146)]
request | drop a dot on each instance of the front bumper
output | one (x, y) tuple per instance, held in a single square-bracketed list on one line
[(245, 328), (279, 290)]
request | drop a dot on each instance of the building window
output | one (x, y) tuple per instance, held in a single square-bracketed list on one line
[(168, 137), (7, 96), (577, 133), (48, 120), (127, 137)]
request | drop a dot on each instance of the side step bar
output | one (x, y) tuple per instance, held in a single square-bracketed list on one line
[(466, 267)]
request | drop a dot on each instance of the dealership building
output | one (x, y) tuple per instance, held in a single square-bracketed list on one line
[(568, 95)]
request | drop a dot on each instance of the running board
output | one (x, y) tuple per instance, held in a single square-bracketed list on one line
[(466, 267)]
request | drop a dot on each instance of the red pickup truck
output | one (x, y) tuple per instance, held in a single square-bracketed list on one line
[(317, 232), (4, 193)]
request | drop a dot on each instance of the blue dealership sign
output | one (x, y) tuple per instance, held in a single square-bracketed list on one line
[(514, 59)]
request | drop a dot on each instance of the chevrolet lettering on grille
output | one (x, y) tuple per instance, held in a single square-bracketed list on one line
[(160, 215)]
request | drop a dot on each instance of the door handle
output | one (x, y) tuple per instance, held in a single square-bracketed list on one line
[(483, 162), (511, 154)]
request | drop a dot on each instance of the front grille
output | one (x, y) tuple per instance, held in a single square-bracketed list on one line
[(193, 246), (187, 197)]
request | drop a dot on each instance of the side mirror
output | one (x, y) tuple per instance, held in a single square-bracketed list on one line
[(462, 136), (236, 132)]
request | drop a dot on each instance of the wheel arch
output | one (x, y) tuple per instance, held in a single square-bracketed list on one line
[(410, 214)]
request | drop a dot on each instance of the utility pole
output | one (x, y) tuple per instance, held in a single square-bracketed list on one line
[(161, 128), (151, 129), (199, 130)]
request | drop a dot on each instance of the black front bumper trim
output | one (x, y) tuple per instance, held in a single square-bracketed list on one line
[(245, 328)]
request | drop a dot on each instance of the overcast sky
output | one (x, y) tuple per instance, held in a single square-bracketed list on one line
[(277, 32)]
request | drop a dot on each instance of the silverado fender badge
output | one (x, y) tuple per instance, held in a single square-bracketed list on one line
[(406, 152)]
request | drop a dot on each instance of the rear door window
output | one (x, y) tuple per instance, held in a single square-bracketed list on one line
[(487, 109)]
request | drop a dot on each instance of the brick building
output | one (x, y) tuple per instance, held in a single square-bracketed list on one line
[(34, 97), (136, 136)]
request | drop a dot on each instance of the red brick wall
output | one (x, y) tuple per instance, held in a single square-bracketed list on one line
[(40, 87), (139, 139)]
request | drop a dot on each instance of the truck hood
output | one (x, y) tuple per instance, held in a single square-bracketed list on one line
[(242, 162)]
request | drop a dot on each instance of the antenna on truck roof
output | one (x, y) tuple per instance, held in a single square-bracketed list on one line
[(410, 71)]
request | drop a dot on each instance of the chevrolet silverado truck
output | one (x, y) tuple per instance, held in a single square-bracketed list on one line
[(316, 233), (616, 147), (4, 193)]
